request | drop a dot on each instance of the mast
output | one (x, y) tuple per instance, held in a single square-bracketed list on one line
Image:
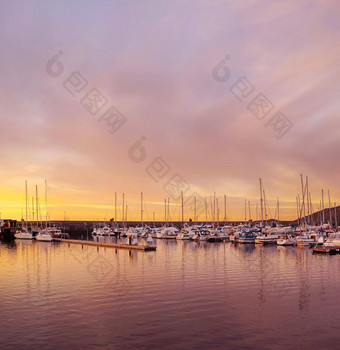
[(46, 203), (329, 208), (165, 211), (278, 209), (298, 210), (195, 209), (249, 211), (218, 212), (115, 209), (245, 210), (336, 219), (261, 202), (225, 209), (214, 208), (36, 204), (141, 208), (168, 209), (323, 207), (123, 210), (303, 201), (206, 210), (32, 209), (182, 207), (26, 200), (307, 189), (265, 206)]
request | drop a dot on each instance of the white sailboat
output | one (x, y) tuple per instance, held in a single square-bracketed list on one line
[(24, 233), (43, 235)]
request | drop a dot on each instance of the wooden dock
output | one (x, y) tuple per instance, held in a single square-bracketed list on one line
[(145, 248)]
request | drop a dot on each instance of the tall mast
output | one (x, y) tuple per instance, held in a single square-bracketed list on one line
[(336, 219), (265, 206), (32, 209), (245, 210), (303, 200), (46, 202), (141, 208), (195, 209), (168, 209), (225, 209), (261, 202), (182, 207), (307, 189), (26, 200), (298, 210), (311, 221), (329, 208), (214, 208), (278, 209), (115, 209), (218, 212), (249, 211), (323, 207), (165, 211), (36, 204), (123, 217), (206, 210)]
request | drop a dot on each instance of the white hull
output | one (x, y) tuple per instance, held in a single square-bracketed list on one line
[(286, 242), (305, 241), (43, 237), (23, 235)]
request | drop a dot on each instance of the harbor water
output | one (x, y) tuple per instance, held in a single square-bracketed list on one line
[(185, 295)]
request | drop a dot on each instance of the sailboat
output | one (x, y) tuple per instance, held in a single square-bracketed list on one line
[(24, 233), (43, 235)]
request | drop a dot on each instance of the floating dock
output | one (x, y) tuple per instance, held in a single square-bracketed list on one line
[(145, 248)]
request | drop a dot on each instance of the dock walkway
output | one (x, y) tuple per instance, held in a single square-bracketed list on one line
[(145, 248)]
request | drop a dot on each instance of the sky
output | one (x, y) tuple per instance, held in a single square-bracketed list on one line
[(186, 80)]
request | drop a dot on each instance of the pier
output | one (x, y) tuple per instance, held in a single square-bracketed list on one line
[(144, 248)]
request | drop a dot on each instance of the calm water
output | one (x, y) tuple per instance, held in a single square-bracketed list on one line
[(185, 295)]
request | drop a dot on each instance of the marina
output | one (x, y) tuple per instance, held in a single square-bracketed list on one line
[(170, 175)]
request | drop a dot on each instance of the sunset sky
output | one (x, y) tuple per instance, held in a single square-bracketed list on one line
[(155, 62)]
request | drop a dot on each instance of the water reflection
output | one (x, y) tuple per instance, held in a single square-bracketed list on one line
[(184, 295)]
